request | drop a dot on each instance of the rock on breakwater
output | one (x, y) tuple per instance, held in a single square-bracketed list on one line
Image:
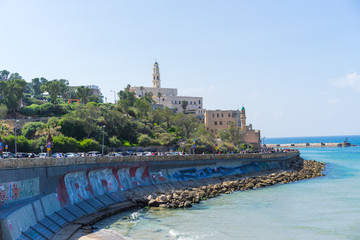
[(184, 194)]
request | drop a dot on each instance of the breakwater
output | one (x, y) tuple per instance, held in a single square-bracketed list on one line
[(197, 191), (309, 145), (41, 197)]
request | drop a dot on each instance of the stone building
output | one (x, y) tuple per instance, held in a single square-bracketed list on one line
[(220, 120), (168, 96)]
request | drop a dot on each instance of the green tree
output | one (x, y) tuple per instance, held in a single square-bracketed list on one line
[(14, 76), (11, 93), (83, 93), (36, 84), (143, 107), (4, 74), (159, 95), (114, 142), (128, 95), (87, 145), (186, 124), (167, 139), (55, 88), (64, 144), (142, 91), (3, 111), (144, 140), (30, 128), (184, 104), (72, 127), (89, 114), (149, 97)]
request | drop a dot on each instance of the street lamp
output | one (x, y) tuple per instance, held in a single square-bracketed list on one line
[(15, 136), (103, 140), (114, 95)]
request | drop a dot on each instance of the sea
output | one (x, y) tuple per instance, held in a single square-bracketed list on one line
[(323, 208)]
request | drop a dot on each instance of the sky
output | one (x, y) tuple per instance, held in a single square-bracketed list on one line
[(294, 65)]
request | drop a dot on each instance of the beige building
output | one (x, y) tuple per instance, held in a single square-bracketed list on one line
[(168, 96), (219, 120)]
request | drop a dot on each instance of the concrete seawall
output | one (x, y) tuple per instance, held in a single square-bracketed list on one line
[(38, 197)]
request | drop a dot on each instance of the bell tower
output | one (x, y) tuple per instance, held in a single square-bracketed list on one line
[(156, 76), (243, 117)]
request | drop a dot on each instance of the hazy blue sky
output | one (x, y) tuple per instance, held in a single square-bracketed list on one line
[(295, 65)]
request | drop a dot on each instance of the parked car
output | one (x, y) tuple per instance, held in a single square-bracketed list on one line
[(147, 153), (69, 155), (31, 155), (94, 153), (20, 155), (42, 155), (123, 153), (8, 155), (57, 155), (112, 154)]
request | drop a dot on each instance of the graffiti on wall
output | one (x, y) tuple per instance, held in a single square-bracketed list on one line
[(18, 190), (85, 184), (77, 186), (194, 173)]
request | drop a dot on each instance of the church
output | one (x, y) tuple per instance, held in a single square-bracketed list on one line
[(168, 97)]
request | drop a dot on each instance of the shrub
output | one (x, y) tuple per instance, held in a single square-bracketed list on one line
[(46, 109), (30, 128), (114, 142), (31, 110), (87, 145), (73, 127), (144, 140), (61, 109), (64, 144)]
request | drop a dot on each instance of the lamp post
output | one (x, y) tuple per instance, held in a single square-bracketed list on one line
[(15, 136), (103, 139), (114, 95)]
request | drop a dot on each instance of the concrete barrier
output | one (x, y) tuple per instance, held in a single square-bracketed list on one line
[(67, 189)]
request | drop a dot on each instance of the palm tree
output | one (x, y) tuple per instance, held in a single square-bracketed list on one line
[(48, 130), (184, 104), (159, 94), (142, 90), (83, 93)]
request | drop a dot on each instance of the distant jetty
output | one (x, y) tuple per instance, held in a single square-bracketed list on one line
[(309, 145)]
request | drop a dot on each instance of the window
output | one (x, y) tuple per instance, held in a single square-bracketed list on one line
[(190, 102), (229, 115), (215, 123), (154, 77), (213, 115), (217, 115), (157, 77), (199, 102), (163, 99), (220, 122), (222, 115)]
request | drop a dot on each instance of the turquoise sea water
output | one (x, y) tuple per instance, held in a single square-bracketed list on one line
[(322, 208)]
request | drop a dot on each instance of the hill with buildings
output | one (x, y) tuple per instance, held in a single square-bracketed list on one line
[(77, 119)]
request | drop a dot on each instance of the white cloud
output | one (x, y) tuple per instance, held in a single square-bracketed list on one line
[(349, 80), (335, 100)]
